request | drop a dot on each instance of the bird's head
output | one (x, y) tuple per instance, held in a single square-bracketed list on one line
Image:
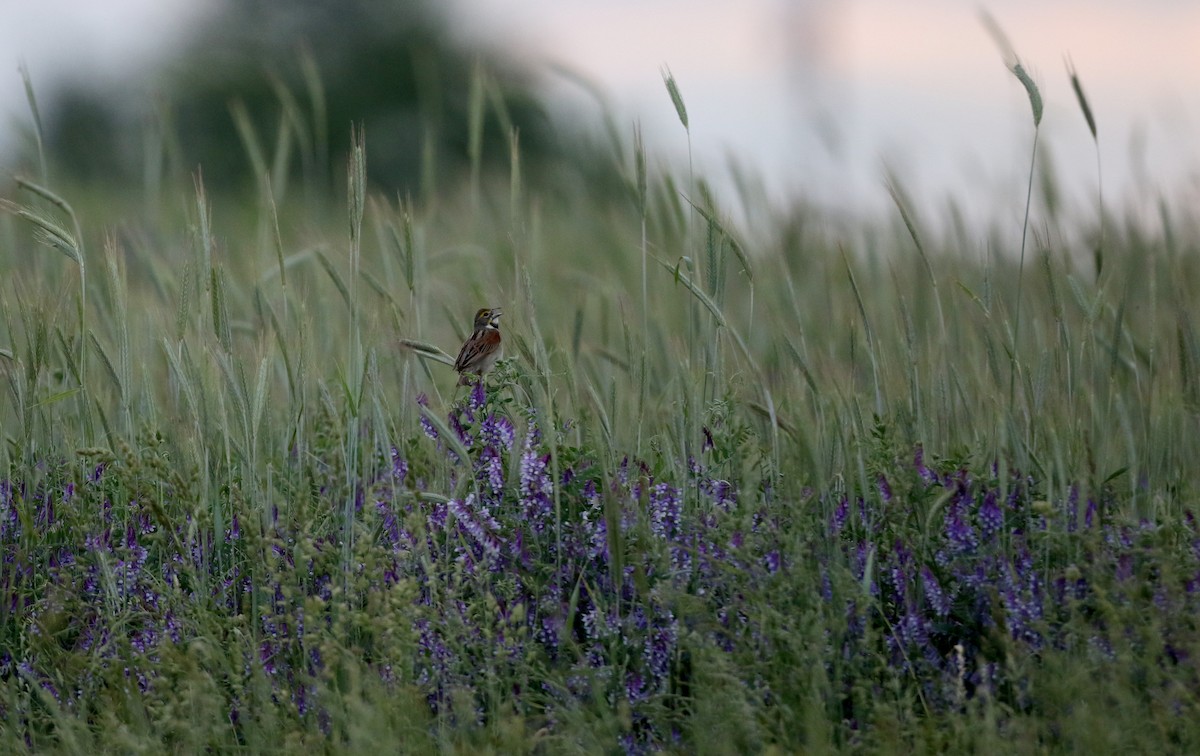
[(488, 317)]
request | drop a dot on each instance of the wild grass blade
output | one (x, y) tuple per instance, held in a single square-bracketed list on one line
[(1090, 119), (872, 349), (35, 113)]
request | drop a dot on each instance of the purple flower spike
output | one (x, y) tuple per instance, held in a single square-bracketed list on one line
[(399, 466), (536, 486), (478, 523), (1073, 509), (926, 474), (933, 592), (664, 510), (497, 432), (959, 530), (460, 430), (426, 425), (838, 520), (991, 519), (478, 397)]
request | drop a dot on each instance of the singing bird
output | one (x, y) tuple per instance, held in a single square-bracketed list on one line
[(482, 348)]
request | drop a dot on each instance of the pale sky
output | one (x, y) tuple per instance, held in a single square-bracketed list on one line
[(815, 96)]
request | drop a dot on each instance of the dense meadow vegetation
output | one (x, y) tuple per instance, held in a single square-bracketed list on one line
[(749, 478)]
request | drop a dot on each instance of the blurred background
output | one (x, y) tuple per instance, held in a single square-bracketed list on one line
[(815, 99)]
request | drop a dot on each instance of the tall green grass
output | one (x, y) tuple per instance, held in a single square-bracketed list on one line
[(249, 360)]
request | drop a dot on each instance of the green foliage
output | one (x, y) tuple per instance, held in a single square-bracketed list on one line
[(771, 459)]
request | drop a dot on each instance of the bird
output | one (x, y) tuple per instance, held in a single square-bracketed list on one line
[(482, 348)]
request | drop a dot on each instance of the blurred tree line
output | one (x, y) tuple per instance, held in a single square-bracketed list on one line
[(265, 77)]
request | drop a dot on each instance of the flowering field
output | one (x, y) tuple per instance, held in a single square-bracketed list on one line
[(776, 483)]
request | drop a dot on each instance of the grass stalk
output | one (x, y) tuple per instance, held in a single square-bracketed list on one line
[(1035, 103), (356, 187), (639, 156)]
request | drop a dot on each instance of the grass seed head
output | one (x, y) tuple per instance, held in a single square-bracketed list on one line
[(1083, 102), (676, 97), (1031, 89)]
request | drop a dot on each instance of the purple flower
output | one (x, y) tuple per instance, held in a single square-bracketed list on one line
[(478, 523), (391, 525), (594, 527), (399, 466), (387, 676), (430, 431), (959, 530), (143, 641), (10, 521), (900, 560), (838, 520), (1021, 593), (460, 430), (549, 631), (723, 494), (478, 397), (664, 511), (991, 519), (864, 514), (623, 471), (934, 594), (26, 669), (926, 474), (497, 432), (660, 646), (536, 486), (494, 470), (436, 520), (1073, 509), (635, 688), (266, 655), (596, 625), (426, 425), (864, 551), (1192, 584), (826, 586)]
